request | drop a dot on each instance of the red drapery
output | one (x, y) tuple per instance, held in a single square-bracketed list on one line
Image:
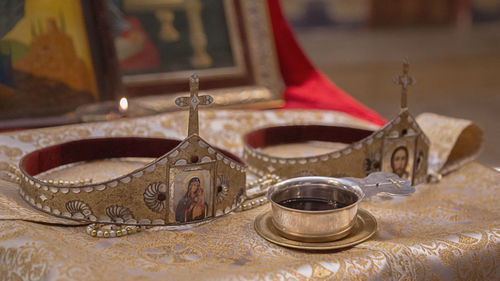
[(307, 87)]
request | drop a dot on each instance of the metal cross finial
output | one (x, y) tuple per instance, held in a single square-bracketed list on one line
[(405, 81), (192, 102)]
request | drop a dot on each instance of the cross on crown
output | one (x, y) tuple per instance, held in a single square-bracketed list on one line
[(192, 102), (404, 80)]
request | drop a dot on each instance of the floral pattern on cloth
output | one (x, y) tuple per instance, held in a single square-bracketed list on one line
[(444, 231)]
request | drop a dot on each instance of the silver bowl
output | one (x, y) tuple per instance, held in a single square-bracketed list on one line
[(314, 209)]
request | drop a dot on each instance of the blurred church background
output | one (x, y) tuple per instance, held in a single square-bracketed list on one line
[(453, 47)]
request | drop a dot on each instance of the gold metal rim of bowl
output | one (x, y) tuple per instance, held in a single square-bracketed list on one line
[(364, 228)]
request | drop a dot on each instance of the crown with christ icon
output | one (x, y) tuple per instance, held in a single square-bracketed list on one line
[(399, 147), (189, 181)]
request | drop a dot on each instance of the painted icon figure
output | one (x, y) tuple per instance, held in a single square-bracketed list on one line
[(192, 206), (399, 162)]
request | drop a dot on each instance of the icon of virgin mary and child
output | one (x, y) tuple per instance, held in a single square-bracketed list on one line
[(192, 206)]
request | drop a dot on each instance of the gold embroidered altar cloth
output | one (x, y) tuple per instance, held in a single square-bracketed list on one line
[(445, 231)]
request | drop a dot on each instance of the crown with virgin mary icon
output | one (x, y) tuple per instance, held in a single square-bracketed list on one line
[(400, 147), (189, 180)]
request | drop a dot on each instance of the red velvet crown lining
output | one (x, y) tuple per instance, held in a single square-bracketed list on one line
[(51, 157)]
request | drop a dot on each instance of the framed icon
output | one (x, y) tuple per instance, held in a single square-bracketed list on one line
[(228, 43), (54, 55), (398, 156), (191, 190)]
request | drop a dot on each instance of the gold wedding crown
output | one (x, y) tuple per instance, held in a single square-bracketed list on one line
[(399, 147), (192, 182)]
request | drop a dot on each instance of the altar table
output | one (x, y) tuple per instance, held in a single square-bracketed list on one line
[(448, 230)]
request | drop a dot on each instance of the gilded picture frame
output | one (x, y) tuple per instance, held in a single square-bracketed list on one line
[(54, 57), (250, 77)]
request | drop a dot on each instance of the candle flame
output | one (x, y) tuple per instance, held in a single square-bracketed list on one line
[(123, 104)]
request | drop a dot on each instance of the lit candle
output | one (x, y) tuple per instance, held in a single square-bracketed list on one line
[(123, 106)]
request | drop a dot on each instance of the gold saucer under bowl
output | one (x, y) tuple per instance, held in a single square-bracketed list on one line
[(364, 228)]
